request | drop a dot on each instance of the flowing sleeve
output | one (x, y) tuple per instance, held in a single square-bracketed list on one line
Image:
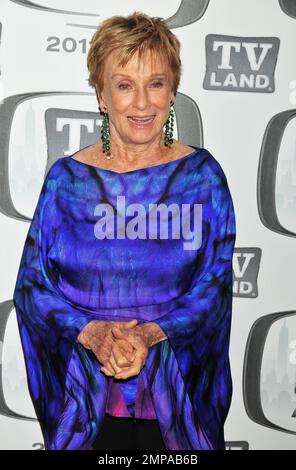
[(48, 323), (198, 327)]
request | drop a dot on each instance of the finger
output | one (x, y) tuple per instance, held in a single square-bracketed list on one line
[(122, 360), (107, 370), (120, 336), (124, 325), (124, 345), (112, 362), (126, 373), (109, 365), (126, 349), (106, 366), (98, 337), (130, 324), (117, 332), (103, 351), (107, 345), (134, 369)]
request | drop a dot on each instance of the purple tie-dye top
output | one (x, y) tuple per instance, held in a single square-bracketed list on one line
[(154, 244)]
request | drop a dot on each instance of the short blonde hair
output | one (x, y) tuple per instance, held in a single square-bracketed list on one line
[(136, 32)]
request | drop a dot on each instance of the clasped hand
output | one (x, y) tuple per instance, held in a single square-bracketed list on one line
[(121, 347), (128, 352)]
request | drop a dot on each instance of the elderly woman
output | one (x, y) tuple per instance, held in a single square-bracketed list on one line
[(124, 291)]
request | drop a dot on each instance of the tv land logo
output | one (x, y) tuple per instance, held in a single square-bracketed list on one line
[(235, 63), (246, 262)]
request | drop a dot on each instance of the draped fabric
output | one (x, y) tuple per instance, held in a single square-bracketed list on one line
[(130, 398), (104, 245)]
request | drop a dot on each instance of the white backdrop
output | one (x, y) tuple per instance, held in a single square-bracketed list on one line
[(239, 78)]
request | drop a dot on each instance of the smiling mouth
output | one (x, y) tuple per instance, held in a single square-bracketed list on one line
[(144, 119)]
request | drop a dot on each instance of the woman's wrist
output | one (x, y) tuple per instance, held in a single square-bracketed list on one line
[(153, 334)]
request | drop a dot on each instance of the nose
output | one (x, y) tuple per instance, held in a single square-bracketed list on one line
[(141, 99)]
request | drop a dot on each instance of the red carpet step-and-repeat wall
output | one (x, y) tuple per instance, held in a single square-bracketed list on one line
[(237, 98)]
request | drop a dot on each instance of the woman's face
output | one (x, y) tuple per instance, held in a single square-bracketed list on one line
[(137, 90)]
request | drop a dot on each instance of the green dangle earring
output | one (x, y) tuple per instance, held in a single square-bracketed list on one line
[(169, 127), (105, 135)]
